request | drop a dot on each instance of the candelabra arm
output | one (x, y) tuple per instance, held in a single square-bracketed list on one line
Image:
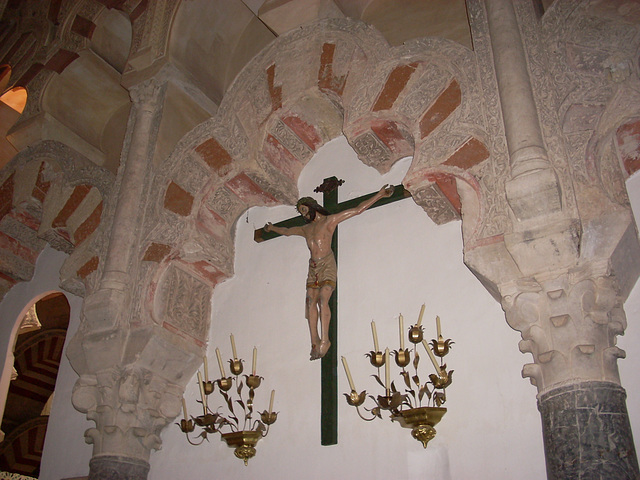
[(258, 427), (202, 439), (364, 418)]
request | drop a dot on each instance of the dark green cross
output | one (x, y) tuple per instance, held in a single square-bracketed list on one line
[(329, 366)]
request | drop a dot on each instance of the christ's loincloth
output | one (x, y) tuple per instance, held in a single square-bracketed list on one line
[(322, 272)]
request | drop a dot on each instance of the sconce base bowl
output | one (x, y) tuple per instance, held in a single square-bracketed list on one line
[(243, 442), (421, 421), (253, 381)]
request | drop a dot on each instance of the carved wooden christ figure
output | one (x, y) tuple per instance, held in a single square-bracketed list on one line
[(321, 280)]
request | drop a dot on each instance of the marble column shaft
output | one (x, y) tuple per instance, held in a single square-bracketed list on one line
[(587, 434), (521, 123), (146, 97)]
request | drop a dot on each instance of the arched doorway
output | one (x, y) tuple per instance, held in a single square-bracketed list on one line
[(37, 353)]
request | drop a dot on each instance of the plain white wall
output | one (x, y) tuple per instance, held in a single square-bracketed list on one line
[(630, 341)]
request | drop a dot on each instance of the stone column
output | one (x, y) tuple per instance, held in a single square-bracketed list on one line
[(103, 308), (563, 282), (146, 98), (533, 189), (569, 324), (125, 385)]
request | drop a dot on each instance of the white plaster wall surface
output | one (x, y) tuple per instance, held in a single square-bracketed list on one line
[(630, 342), (65, 452), (391, 261)]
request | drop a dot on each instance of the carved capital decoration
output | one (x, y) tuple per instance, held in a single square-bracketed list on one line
[(147, 94), (130, 406), (569, 325)]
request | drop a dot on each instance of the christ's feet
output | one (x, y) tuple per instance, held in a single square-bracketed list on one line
[(319, 351), (315, 354), (324, 347)]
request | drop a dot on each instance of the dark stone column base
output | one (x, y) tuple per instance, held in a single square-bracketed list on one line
[(115, 467), (587, 435)]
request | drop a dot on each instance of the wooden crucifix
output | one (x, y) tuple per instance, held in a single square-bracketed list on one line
[(318, 225)]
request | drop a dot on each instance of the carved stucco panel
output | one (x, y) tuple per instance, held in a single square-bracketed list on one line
[(432, 80), (432, 201), (291, 141), (493, 172), (491, 175), (192, 176), (225, 204), (255, 108), (360, 96), (184, 302), (593, 50), (444, 140), (369, 148), (150, 32), (610, 174)]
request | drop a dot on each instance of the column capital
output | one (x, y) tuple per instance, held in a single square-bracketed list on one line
[(568, 324), (147, 92), (130, 406)]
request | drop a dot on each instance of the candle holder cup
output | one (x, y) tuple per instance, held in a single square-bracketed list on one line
[(236, 366), (416, 334), (208, 387), (376, 358), (403, 357), (225, 383)]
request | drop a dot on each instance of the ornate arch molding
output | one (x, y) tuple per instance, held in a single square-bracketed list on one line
[(331, 78), (309, 86), (51, 194)]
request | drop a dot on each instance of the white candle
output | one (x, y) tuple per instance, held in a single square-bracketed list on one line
[(220, 364), (273, 394), (202, 395), (184, 409), (401, 320), (420, 316), (375, 336), (206, 369), (233, 348), (431, 356), (386, 370), (255, 359), (348, 372), (438, 327)]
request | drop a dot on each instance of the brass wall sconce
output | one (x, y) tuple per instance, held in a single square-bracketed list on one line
[(238, 429), (407, 408)]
